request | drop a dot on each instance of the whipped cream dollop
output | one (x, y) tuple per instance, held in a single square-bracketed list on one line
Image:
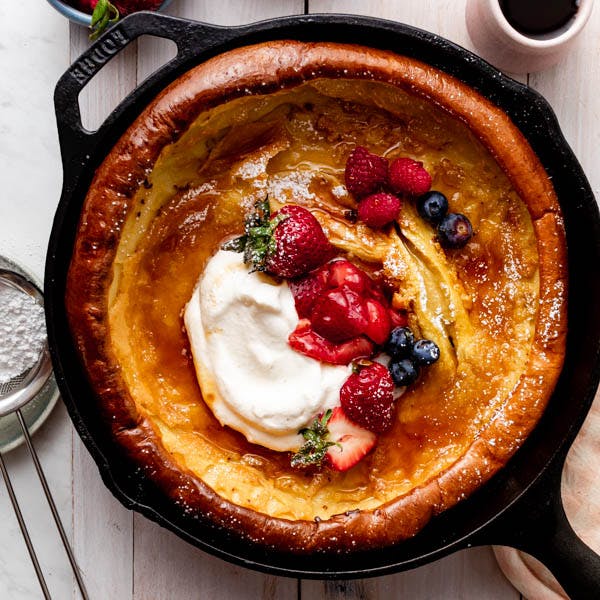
[(238, 325)]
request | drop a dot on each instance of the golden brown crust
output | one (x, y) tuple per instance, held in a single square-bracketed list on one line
[(260, 69)]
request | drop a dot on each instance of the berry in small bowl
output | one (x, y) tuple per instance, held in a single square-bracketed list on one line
[(81, 11)]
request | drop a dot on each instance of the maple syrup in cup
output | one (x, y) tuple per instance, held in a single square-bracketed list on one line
[(538, 17), (523, 36)]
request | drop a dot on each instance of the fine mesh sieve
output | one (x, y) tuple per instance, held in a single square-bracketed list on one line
[(24, 385), (10, 386), (28, 377)]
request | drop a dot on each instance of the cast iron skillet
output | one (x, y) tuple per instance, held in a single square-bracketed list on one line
[(521, 505)]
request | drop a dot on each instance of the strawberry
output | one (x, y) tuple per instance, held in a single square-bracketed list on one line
[(126, 7), (367, 397), (85, 5), (365, 172), (339, 315), (398, 318), (380, 322), (306, 341), (377, 210), (351, 443), (376, 292), (301, 244), (408, 176), (333, 436), (343, 272), (288, 243), (306, 291)]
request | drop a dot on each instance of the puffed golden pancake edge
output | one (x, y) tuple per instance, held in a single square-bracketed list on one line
[(263, 69)]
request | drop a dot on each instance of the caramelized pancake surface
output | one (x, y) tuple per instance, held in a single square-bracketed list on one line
[(181, 180), (478, 303)]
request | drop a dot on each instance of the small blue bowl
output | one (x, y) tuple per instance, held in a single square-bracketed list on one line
[(82, 18)]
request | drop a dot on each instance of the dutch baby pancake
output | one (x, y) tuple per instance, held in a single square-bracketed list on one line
[(320, 293)]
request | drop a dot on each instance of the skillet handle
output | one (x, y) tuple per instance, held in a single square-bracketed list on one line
[(537, 524), (189, 37)]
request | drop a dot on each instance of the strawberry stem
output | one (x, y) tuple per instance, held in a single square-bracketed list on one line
[(316, 446), (258, 241), (105, 14), (360, 364)]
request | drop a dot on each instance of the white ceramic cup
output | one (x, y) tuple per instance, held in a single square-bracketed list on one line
[(497, 41)]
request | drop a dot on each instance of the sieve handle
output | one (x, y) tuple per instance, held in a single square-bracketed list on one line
[(24, 531), (52, 505)]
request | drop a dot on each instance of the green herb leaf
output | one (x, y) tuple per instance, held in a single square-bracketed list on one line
[(314, 450), (258, 241)]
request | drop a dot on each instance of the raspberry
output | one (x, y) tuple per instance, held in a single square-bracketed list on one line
[(377, 210), (367, 397), (365, 172), (408, 176)]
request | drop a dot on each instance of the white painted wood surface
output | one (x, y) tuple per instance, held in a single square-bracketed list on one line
[(122, 555)]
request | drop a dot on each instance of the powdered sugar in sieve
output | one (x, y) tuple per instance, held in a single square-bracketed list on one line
[(22, 334)]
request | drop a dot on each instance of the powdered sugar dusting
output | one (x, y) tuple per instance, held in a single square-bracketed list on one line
[(22, 332), (285, 187), (339, 191), (253, 168)]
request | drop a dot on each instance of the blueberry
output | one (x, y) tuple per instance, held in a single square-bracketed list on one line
[(432, 206), (454, 230), (400, 342), (425, 352), (403, 371)]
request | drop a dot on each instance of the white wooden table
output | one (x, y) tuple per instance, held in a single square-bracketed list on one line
[(122, 555)]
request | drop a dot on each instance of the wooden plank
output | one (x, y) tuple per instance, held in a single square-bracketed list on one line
[(166, 567), (235, 12), (195, 574), (109, 86), (443, 17), (103, 528), (103, 531), (33, 55), (571, 87), (468, 574)]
